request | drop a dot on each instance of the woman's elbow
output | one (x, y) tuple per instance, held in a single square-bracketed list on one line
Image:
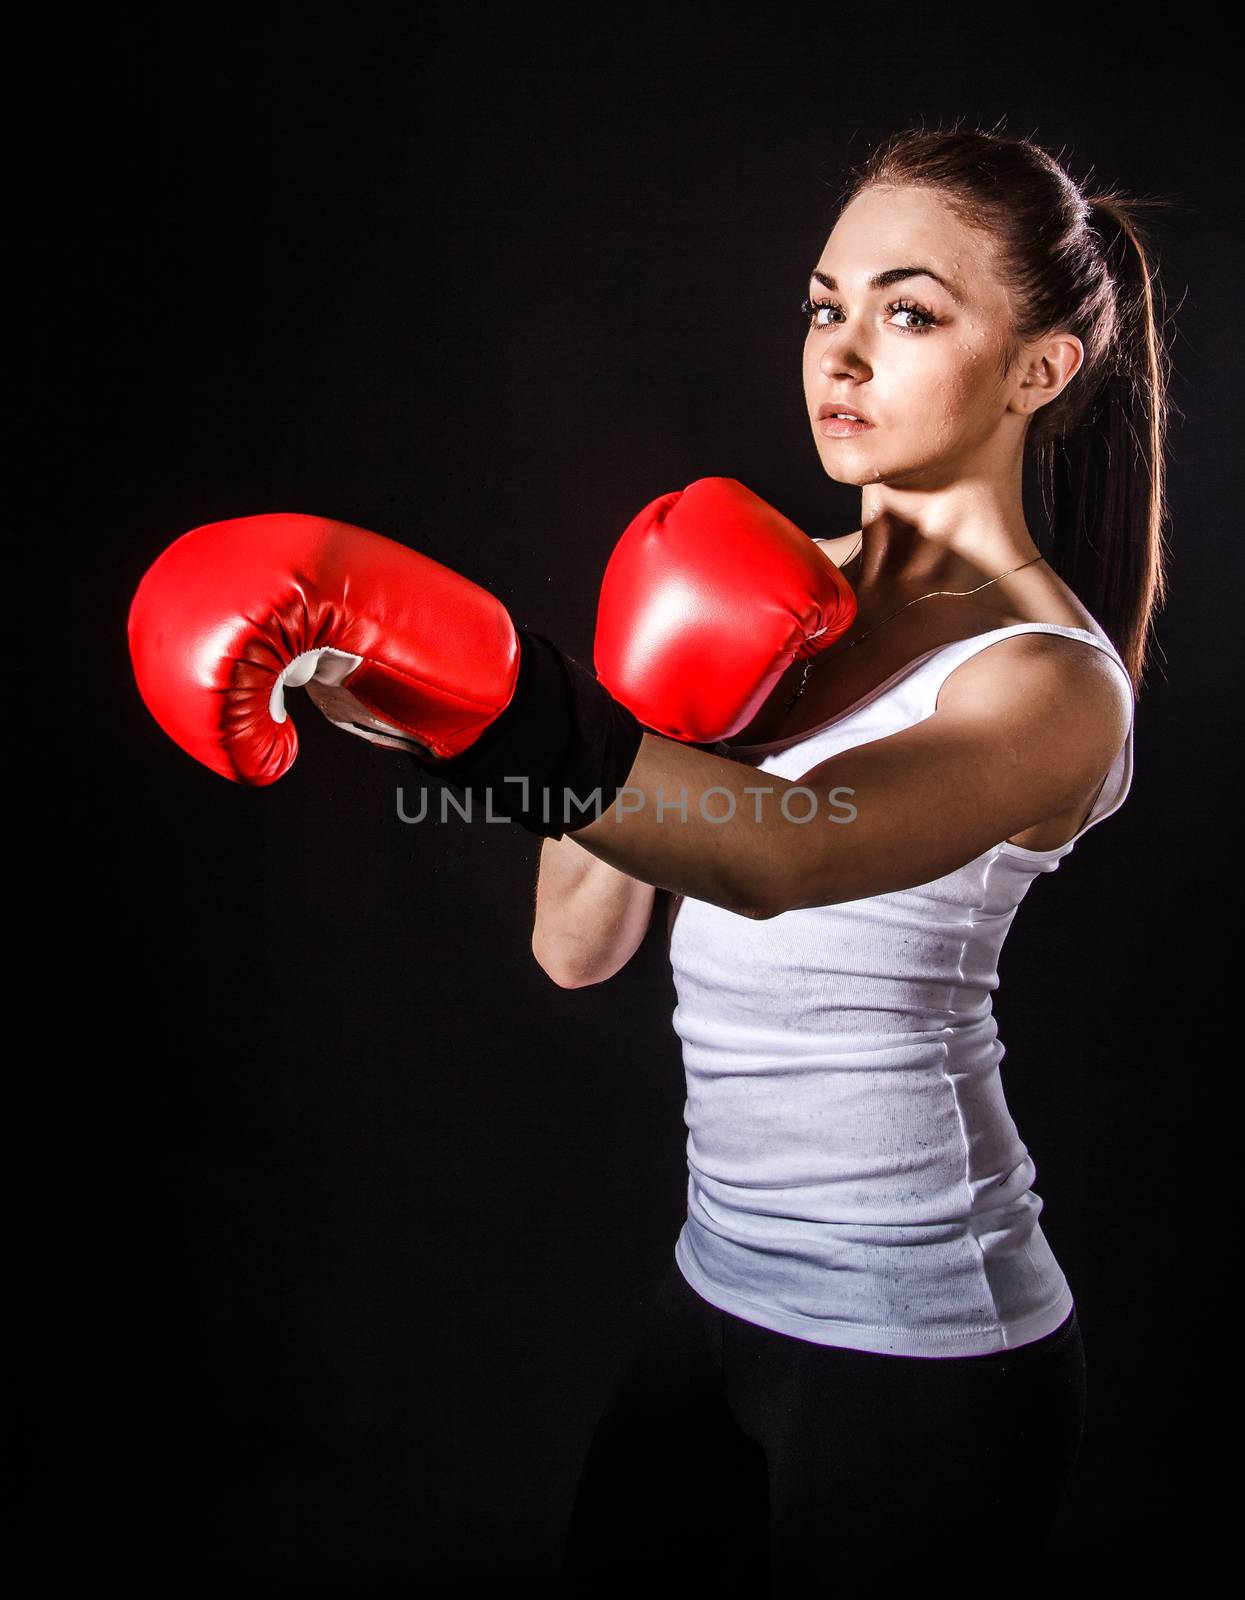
[(565, 974)]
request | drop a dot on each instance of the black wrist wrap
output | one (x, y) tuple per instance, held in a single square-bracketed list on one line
[(563, 732)]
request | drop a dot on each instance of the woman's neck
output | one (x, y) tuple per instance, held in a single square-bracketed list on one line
[(952, 542)]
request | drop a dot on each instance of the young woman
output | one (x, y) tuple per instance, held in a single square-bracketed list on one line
[(864, 1359)]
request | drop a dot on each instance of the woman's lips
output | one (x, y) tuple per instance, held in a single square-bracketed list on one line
[(842, 427)]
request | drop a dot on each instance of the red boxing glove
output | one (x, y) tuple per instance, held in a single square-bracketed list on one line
[(391, 644), (708, 598)]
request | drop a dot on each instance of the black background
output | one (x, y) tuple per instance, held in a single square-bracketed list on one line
[(342, 1214)]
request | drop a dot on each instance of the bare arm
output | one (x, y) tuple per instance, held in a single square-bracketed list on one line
[(591, 917), (1014, 741)]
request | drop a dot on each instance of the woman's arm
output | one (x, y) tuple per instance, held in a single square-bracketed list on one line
[(1015, 740), (590, 917)]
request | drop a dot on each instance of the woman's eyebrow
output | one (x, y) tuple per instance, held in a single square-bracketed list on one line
[(883, 280)]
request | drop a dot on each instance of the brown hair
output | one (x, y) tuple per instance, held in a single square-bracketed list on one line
[(1082, 265)]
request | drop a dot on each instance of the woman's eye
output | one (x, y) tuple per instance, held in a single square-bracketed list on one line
[(810, 308), (908, 308)]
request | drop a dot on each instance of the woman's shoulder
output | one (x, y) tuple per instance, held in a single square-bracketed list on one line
[(1064, 703), (1044, 602), (1072, 685), (1044, 599), (1052, 604), (1084, 675)]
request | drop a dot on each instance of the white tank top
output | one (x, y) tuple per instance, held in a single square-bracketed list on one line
[(854, 1175)]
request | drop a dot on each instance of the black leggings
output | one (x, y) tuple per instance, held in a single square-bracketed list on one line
[(755, 1463)]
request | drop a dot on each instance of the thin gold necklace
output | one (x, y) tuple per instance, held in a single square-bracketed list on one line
[(957, 594)]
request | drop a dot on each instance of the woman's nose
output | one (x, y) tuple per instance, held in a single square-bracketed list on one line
[(844, 357)]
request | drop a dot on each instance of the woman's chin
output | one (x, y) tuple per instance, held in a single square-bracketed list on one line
[(851, 477)]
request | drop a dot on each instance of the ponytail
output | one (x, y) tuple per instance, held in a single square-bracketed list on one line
[(1103, 476)]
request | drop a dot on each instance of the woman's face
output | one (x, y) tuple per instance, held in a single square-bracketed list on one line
[(918, 358)]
